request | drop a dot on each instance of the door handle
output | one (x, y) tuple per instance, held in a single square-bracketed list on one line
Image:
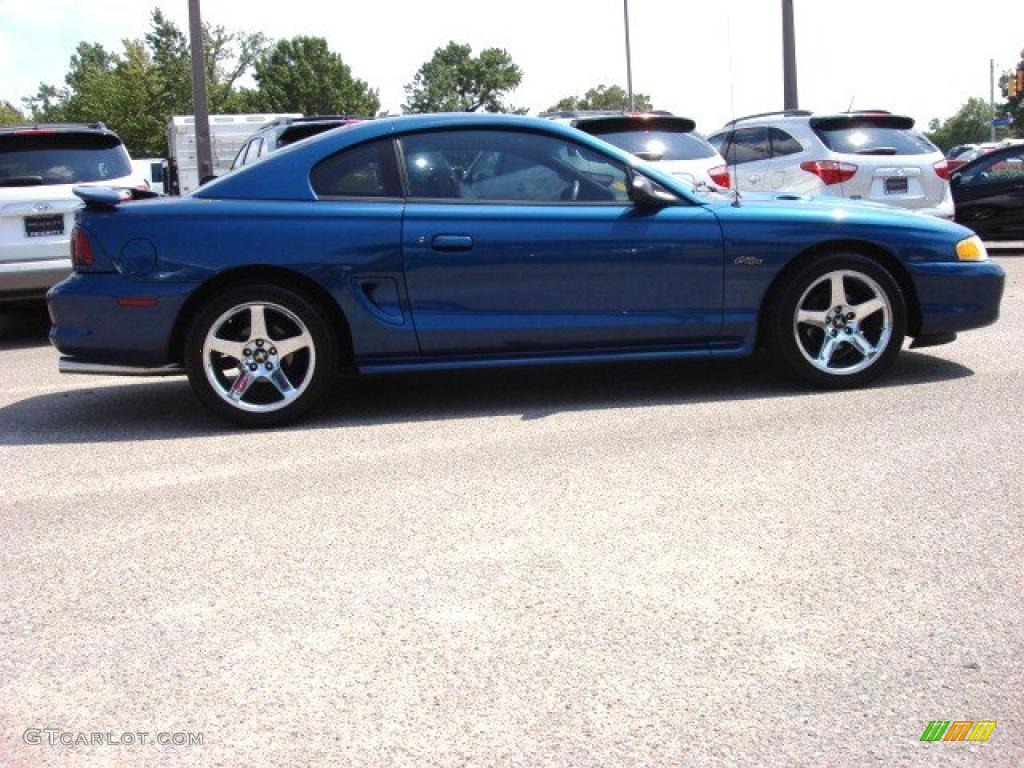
[(449, 243), (754, 179)]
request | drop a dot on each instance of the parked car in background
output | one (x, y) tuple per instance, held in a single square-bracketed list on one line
[(989, 194), (669, 142), (973, 154), (377, 249), (287, 130), (871, 155), (39, 166), (956, 157), (227, 134)]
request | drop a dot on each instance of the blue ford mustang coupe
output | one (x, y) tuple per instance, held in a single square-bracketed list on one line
[(457, 241)]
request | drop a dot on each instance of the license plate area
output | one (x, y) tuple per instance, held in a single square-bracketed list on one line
[(44, 226), (898, 185)]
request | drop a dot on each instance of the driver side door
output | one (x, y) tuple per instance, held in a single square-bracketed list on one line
[(517, 242)]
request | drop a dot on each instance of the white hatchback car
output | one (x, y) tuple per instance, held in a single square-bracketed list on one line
[(666, 141), (39, 165), (875, 156)]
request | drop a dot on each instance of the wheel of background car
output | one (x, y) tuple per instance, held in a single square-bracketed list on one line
[(260, 355), (839, 323)]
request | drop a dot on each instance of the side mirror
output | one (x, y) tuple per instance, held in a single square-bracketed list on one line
[(206, 179), (954, 180), (645, 194)]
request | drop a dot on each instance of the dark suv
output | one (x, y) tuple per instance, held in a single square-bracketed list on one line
[(288, 130)]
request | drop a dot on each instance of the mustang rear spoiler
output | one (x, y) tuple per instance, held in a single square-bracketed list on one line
[(108, 198)]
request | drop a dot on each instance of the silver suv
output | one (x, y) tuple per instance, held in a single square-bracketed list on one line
[(875, 156)]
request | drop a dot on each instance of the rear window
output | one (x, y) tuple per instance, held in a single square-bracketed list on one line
[(61, 158), (659, 145), (867, 137), (294, 133)]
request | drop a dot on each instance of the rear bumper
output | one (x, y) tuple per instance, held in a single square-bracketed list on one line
[(26, 280), (957, 296), (90, 326)]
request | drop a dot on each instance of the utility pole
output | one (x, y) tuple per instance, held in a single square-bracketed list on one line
[(992, 99), (790, 98), (629, 59), (200, 105)]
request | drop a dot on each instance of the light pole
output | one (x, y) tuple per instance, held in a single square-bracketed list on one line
[(200, 106), (629, 58), (790, 98)]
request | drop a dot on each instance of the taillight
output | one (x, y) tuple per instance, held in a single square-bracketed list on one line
[(720, 175), (943, 169), (829, 171), (81, 251)]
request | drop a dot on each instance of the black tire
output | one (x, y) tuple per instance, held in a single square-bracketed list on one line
[(316, 362), (789, 342)]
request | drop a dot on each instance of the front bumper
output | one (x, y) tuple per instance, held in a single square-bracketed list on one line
[(91, 326), (25, 280), (957, 296)]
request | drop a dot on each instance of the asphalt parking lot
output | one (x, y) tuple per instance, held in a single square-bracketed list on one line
[(662, 564)]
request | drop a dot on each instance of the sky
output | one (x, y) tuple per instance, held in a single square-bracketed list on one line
[(709, 60)]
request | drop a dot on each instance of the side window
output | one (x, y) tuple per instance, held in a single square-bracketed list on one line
[(748, 145), (718, 141), (783, 144), (254, 150), (509, 166), (367, 170), (239, 160)]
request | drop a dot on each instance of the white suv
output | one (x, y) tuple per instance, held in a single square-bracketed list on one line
[(874, 156), (39, 164)]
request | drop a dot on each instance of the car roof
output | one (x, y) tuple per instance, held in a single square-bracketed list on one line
[(284, 175), (55, 128)]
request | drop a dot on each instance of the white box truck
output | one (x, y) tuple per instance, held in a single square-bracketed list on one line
[(227, 135)]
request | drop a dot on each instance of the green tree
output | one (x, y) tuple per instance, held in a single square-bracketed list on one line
[(1014, 107), (968, 126), (137, 90), (603, 97), (304, 75), (10, 114), (454, 80)]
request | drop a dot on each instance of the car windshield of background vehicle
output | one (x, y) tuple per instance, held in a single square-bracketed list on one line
[(659, 145), (875, 140), (61, 158), (509, 166)]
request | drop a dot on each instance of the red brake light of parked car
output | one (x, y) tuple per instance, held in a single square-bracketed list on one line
[(720, 175), (829, 171), (943, 169), (81, 251)]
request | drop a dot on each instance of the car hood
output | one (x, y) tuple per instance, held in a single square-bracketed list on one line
[(832, 212)]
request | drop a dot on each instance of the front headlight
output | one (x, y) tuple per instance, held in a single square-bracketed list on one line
[(971, 249)]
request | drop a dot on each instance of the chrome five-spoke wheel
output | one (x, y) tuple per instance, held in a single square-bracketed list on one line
[(259, 357), (261, 354), (843, 321)]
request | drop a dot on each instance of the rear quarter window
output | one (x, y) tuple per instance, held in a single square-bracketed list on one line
[(61, 158)]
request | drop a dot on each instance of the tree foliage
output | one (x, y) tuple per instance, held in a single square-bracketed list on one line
[(135, 91), (454, 80), (969, 125), (603, 97), (10, 114), (304, 75)]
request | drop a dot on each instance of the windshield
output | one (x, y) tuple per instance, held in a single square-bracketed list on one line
[(61, 158), (659, 145)]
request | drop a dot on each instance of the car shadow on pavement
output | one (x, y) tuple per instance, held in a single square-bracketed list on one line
[(23, 327), (165, 409)]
